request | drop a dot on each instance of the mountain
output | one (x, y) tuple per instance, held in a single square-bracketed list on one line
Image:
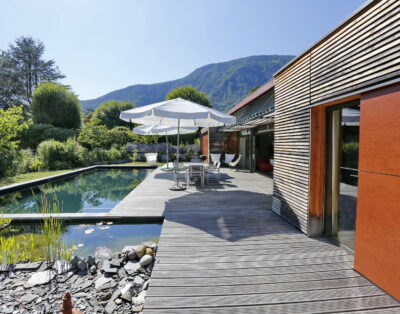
[(225, 83)]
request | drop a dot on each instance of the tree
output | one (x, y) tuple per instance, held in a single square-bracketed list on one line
[(56, 105), (108, 113), (25, 63), (189, 93), (11, 124), (11, 86)]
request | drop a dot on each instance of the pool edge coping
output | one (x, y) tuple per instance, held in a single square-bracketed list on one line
[(19, 218)]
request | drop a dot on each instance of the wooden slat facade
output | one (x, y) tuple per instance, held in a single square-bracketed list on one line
[(363, 53)]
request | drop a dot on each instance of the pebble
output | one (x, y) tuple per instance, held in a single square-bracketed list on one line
[(93, 269), (140, 250), (91, 260), (149, 251), (74, 261), (82, 265), (146, 260), (132, 255)]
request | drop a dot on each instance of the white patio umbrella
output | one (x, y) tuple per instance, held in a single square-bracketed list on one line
[(163, 130), (177, 112)]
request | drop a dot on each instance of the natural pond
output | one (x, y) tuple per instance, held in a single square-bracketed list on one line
[(89, 192), (82, 239)]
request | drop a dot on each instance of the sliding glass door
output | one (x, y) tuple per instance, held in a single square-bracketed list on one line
[(343, 127)]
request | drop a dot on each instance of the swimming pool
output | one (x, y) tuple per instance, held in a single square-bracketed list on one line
[(95, 191)]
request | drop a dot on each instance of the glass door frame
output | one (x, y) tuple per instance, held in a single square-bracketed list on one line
[(332, 169)]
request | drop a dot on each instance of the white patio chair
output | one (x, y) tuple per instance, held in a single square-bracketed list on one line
[(213, 171), (194, 172), (233, 164), (179, 171), (229, 158), (151, 158), (215, 158)]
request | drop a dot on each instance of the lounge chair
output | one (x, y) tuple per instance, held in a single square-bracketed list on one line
[(215, 158), (151, 158), (233, 164), (229, 158)]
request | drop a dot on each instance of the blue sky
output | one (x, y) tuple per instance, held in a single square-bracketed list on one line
[(103, 45)]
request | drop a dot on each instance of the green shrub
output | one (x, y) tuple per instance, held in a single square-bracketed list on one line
[(57, 155), (37, 133), (98, 136), (29, 162), (56, 105), (9, 161)]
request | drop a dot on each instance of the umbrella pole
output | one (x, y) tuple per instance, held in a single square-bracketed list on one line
[(176, 187), (166, 140)]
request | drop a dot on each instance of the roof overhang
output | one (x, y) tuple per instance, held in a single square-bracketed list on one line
[(255, 121), (257, 93)]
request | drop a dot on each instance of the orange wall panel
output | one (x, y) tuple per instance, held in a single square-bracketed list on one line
[(377, 251), (380, 131)]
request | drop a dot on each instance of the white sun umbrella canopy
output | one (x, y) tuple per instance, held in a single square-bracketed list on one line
[(177, 112), (170, 112), (163, 130)]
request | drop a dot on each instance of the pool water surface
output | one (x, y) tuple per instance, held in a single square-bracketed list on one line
[(97, 191)]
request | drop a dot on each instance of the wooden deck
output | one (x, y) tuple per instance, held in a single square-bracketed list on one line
[(222, 250)]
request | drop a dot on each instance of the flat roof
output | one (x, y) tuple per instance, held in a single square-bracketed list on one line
[(257, 93), (329, 34)]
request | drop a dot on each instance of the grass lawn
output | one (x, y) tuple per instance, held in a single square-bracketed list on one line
[(30, 176), (38, 175)]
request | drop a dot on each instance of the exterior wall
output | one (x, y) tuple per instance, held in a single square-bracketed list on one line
[(361, 54), (377, 252), (231, 143), (292, 147)]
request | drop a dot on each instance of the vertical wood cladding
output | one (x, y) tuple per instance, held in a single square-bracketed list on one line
[(362, 53)]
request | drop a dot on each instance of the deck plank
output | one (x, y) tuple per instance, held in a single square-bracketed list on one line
[(223, 250)]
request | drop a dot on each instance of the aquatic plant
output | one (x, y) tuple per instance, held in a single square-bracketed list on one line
[(52, 229), (4, 221), (13, 249)]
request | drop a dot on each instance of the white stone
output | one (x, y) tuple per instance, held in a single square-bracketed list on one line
[(138, 280), (101, 281), (140, 298), (61, 267), (126, 288), (40, 278)]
